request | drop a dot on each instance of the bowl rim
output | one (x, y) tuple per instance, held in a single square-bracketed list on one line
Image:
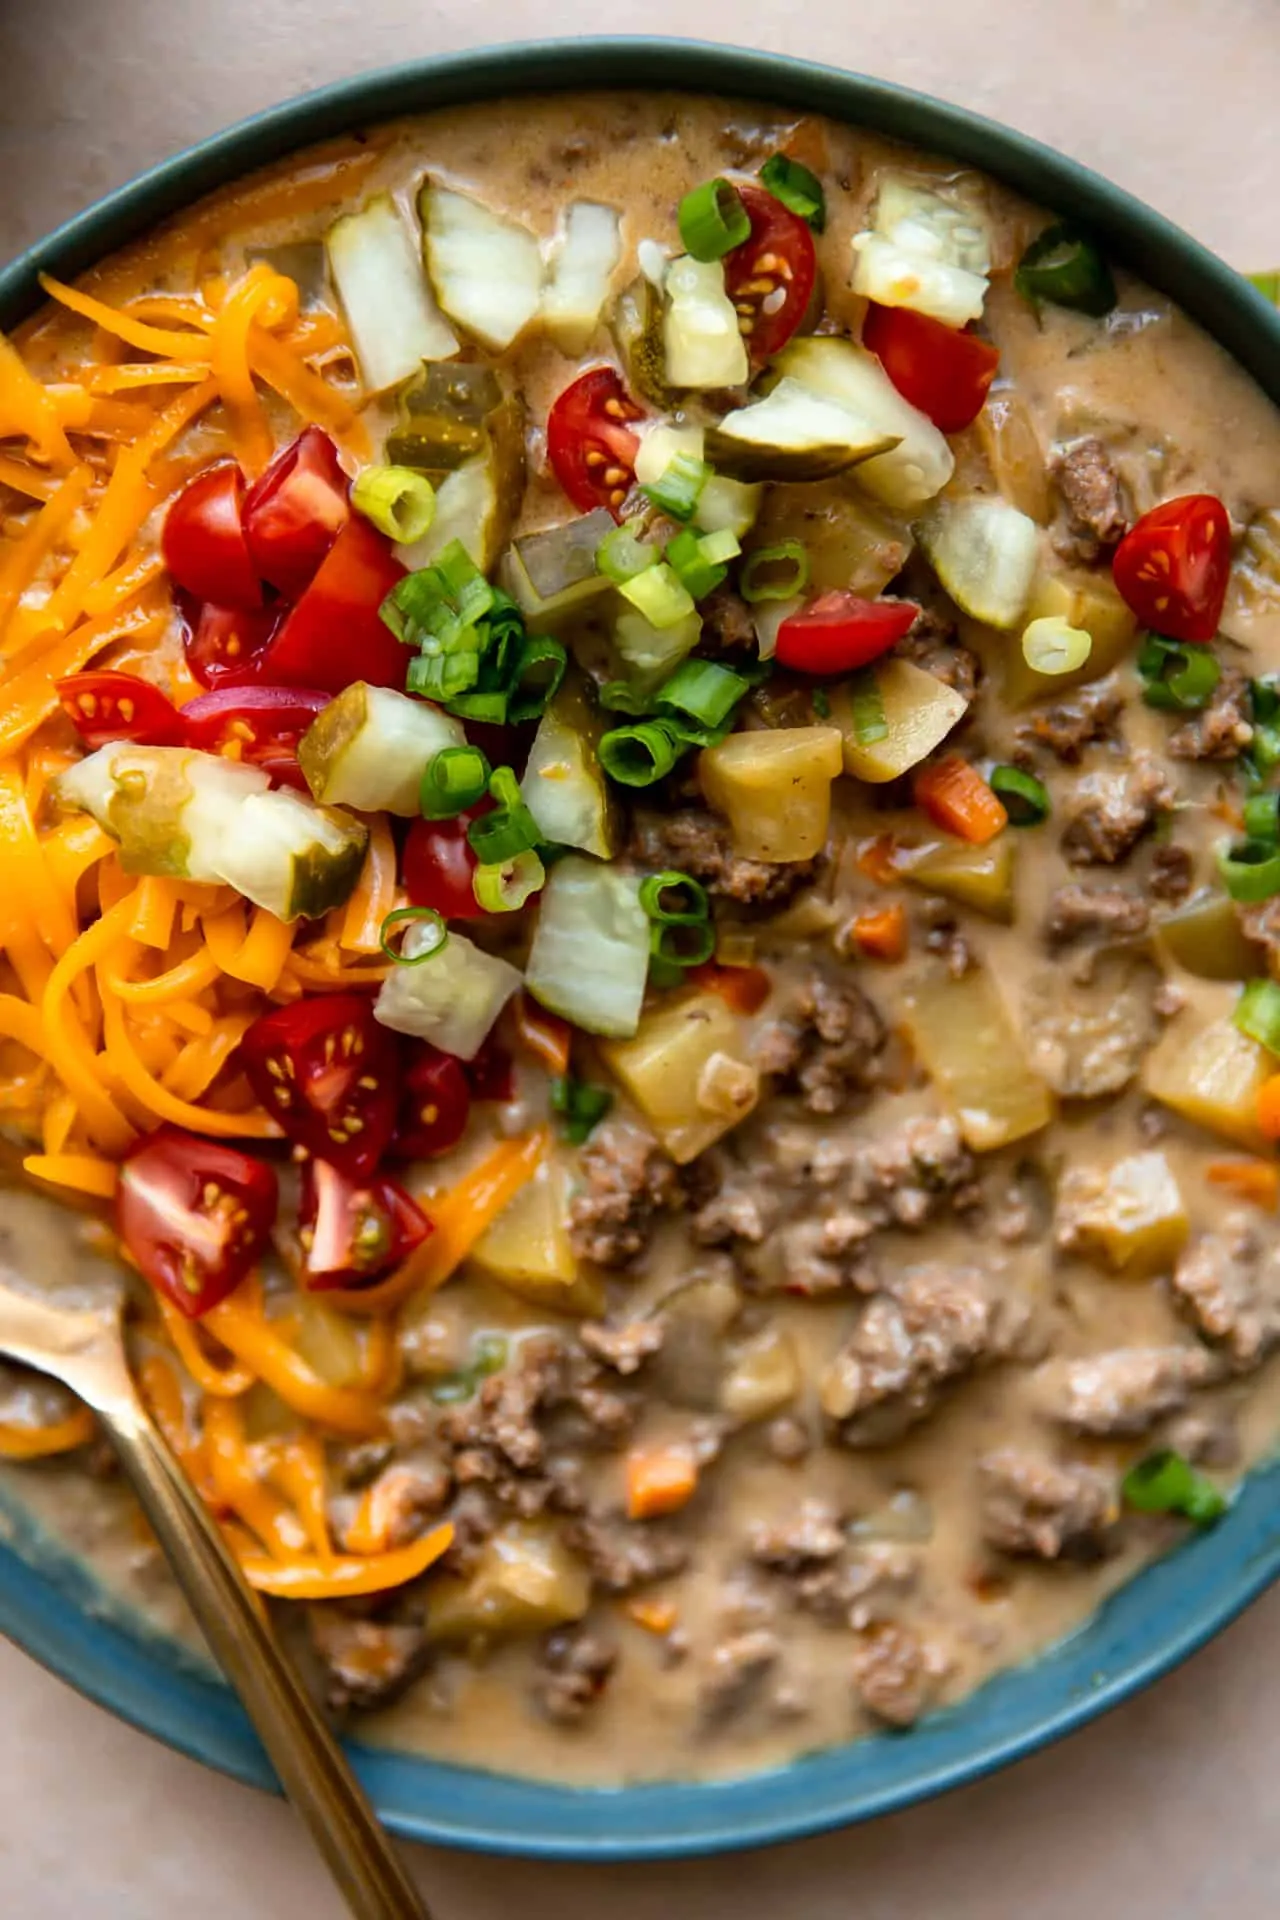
[(47, 1603)]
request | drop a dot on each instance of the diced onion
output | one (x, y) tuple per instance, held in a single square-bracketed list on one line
[(395, 324), (454, 1001), (590, 955)]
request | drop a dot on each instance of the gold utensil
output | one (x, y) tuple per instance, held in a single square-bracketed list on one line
[(82, 1347)]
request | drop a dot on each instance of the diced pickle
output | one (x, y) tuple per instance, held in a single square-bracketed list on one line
[(528, 1251), (775, 789), (442, 416), (479, 502), (919, 711), (524, 1581), (564, 785), (1009, 439), (970, 1048), (1211, 1074), (978, 877), (1129, 1216), (764, 1376), (553, 573), (851, 542), (663, 1070), (1206, 938), (637, 330)]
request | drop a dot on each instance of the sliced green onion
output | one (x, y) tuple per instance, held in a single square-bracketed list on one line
[(1264, 748), (720, 545), (580, 1105), (638, 755), (821, 703), (440, 610), (619, 696), (696, 574), (1264, 698), (489, 708), (1064, 268), (1250, 870), (510, 829), (1179, 675), (500, 886), (1052, 646), (1257, 1013), (1166, 1483), (1262, 817), (622, 554), (453, 781), (676, 490), (1026, 799), (400, 917), (866, 707), (713, 220), (489, 1354), (400, 501), (658, 595), (539, 670), (774, 573), (691, 906), (681, 943), (702, 689), (799, 190)]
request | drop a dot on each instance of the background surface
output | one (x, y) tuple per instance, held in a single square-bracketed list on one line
[(1166, 1809)]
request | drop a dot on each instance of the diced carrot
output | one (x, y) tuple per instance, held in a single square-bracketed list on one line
[(659, 1480), (1254, 1180), (957, 798), (545, 1036), (655, 1616), (878, 860), (882, 935), (745, 989), (1269, 1107)]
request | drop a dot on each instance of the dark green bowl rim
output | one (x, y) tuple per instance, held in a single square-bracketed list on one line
[(47, 1605)]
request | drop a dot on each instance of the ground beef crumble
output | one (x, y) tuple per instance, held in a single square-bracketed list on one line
[(892, 1675), (1094, 515), (1125, 1391), (1224, 729), (1050, 1509), (1101, 914), (366, 1662), (1091, 714), (1229, 1287), (826, 1046), (696, 842), (933, 644), (573, 1671), (1111, 812), (627, 1182)]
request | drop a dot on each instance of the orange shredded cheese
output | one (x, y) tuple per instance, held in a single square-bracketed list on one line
[(38, 1443), (84, 1172), (124, 325), (264, 295), (24, 557), (347, 1576), (27, 408), (375, 894)]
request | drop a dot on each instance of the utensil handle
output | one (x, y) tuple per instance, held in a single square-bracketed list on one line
[(310, 1764)]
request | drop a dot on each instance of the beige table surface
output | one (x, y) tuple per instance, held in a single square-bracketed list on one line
[(1169, 1807)]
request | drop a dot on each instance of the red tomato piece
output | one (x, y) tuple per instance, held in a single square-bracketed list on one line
[(840, 631), (328, 1074), (260, 725), (109, 706), (438, 865), (942, 370), (334, 635), (591, 448), (225, 646), (194, 1215), (203, 541), (492, 1073), (435, 1106), (354, 1230), (1171, 569), (777, 256), (293, 514)]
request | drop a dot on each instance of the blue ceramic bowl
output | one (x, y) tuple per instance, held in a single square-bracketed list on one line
[(49, 1605)]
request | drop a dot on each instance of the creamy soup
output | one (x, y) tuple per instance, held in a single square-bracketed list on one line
[(718, 800)]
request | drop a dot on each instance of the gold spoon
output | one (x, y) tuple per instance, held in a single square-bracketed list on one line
[(82, 1347)]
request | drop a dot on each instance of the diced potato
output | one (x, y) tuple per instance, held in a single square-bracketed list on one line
[(1205, 937), (528, 1251), (525, 1581), (851, 542), (1087, 600), (763, 1378), (775, 789), (978, 877), (664, 1070), (1211, 1074), (1129, 1216), (1009, 439), (970, 1048), (919, 710)]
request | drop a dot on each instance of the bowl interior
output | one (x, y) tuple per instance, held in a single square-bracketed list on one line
[(49, 1604)]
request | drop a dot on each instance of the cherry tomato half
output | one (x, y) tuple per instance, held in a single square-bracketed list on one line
[(225, 646), (260, 725), (354, 1230), (194, 1215), (292, 515), (1171, 569), (203, 541), (492, 1072), (109, 706), (945, 372), (840, 631), (435, 1105), (328, 1074), (334, 635), (591, 448), (777, 255), (438, 865)]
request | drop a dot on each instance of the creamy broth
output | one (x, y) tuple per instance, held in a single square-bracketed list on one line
[(1177, 416)]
